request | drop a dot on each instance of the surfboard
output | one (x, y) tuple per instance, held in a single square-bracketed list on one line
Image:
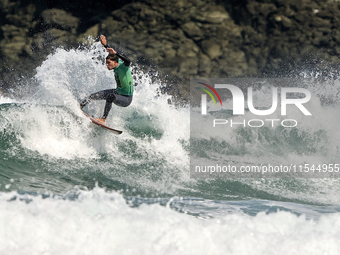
[(115, 131)]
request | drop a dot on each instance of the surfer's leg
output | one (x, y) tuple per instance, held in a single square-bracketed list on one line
[(107, 109), (117, 99), (100, 95), (110, 98), (122, 101)]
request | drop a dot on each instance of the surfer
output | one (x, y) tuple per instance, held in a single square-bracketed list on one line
[(122, 95)]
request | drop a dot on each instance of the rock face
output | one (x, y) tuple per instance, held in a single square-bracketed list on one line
[(182, 39)]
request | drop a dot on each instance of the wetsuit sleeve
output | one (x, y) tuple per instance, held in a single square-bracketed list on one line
[(126, 60)]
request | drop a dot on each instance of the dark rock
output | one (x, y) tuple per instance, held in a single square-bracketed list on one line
[(181, 38), (192, 30), (211, 48), (214, 17), (56, 18), (15, 42)]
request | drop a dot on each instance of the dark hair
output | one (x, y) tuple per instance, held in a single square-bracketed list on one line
[(112, 57)]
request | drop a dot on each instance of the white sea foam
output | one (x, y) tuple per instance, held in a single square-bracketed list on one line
[(100, 222), (5, 100)]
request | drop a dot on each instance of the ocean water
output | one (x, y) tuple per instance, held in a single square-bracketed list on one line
[(69, 187)]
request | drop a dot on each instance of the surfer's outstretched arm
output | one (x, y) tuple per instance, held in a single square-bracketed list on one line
[(103, 40), (125, 59)]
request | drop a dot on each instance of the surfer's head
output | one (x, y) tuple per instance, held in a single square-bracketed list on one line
[(112, 61)]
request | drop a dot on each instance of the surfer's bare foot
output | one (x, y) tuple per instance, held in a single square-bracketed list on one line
[(102, 120)]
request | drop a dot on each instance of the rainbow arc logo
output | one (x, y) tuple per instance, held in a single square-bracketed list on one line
[(209, 93), (204, 97)]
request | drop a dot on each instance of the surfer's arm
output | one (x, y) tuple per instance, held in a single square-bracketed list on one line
[(103, 41), (126, 60)]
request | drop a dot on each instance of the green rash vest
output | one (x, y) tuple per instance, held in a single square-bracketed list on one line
[(124, 79)]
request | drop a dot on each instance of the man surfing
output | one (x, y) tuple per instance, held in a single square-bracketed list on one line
[(122, 95)]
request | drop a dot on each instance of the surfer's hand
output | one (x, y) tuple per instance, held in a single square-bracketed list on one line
[(110, 50), (103, 40)]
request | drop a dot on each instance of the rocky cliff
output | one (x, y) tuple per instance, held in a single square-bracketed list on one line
[(181, 39)]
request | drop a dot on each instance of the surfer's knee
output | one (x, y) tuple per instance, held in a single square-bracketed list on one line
[(111, 99)]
